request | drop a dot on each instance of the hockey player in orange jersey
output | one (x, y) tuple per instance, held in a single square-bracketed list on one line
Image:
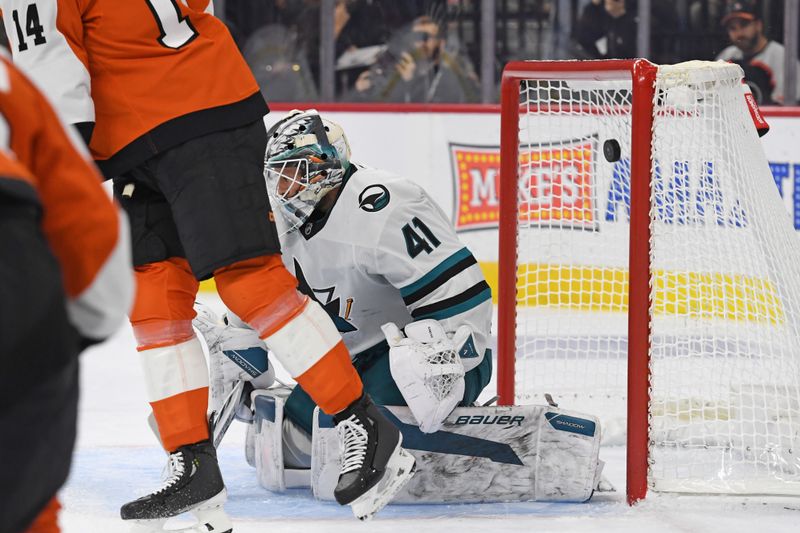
[(65, 257), (179, 127)]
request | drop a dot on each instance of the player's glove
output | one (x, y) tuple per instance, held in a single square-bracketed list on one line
[(427, 369)]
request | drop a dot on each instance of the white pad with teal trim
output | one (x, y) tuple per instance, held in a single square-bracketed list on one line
[(484, 454)]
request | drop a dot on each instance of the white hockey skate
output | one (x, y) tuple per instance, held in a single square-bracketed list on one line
[(374, 465), (194, 485)]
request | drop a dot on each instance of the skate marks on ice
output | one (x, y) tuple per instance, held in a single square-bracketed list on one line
[(104, 478)]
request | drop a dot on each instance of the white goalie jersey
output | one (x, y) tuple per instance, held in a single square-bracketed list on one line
[(387, 253)]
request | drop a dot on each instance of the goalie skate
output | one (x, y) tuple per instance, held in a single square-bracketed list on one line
[(374, 465)]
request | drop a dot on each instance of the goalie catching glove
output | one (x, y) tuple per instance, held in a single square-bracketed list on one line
[(427, 369)]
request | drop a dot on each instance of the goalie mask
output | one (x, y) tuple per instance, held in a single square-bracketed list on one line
[(306, 158)]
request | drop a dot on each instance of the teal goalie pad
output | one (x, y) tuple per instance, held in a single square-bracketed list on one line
[(484, 454)]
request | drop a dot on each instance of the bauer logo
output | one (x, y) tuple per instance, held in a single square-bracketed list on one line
[(503, 420), (556, 185)]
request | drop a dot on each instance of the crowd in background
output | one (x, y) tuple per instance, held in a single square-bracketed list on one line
[(385, 51), (430, 50)]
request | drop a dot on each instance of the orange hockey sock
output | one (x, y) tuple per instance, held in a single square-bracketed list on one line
[(47, 520), (296, 329), (175, 369)]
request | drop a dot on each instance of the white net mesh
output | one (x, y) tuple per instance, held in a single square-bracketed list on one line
[(725, 285), (573, 246), (725, 356)]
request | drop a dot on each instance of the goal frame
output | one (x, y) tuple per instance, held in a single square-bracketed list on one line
[(642, 74)]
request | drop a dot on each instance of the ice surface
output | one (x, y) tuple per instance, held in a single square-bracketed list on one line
[(117, 459)]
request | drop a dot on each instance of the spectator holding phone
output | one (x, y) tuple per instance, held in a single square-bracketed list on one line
[(419, 66)]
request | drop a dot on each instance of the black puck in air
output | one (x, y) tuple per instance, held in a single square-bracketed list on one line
[(612, 150)]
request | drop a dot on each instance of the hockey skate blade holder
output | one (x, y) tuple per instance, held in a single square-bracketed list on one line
[(210, 517), (399, 470)]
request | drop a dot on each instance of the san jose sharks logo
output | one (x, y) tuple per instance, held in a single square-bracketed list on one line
[(325, 298), (373, 198)]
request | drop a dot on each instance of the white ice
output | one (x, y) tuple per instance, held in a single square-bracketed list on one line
[(117, 459)]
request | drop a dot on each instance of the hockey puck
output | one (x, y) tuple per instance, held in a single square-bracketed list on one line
[(612, 150)]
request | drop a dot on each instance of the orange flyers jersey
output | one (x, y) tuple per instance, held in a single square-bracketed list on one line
[(162, 71), (88, 235), (15, 180)]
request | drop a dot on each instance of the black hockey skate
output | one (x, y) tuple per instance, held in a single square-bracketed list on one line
[(374, 465), (194, 485)]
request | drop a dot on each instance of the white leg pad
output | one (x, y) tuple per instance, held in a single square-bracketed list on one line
[(484, 454), (268, 452), (325, 458), (268, 424)]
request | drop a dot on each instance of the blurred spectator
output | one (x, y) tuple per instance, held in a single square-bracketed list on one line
[(359, 23), (760, 58), (704, 13), (419, 65), (700, 35), (280, 39), (244, 17), (280, 65), (361, 29), (607, 29)]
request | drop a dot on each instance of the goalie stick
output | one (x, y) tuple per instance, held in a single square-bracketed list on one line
[(219, 421)]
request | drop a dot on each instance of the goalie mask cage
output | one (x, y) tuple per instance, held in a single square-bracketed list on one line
[(617, 167)]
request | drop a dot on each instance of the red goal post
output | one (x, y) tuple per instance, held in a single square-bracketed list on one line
[(642, 74)]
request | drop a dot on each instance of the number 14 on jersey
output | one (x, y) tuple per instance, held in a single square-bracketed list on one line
[(175, 29), (32, 25)]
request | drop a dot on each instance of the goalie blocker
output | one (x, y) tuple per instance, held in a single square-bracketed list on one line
[(481, 454)]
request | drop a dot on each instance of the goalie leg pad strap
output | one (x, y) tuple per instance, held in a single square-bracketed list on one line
[(325, 458), (268, 424), (275, 441)]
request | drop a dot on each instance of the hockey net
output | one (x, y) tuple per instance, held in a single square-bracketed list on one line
[(712, 399)]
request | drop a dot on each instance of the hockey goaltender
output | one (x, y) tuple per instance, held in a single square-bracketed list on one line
[(414, 308)]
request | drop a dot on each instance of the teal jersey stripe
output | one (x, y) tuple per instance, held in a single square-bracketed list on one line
[(437, 270), (475, 301)]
